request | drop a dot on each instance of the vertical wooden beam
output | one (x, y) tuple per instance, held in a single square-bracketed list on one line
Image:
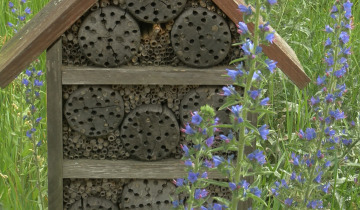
[(54, 125)]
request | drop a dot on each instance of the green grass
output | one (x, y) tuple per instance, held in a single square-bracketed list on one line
[(299, 22)]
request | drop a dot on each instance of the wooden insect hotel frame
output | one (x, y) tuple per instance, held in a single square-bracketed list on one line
[(122, 79)]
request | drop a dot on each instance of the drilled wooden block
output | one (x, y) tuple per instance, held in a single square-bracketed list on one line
[(150, 132), (109, 37), (148, 195), (200, 38), (200, 97), (94, 111), (155, 11), (93, 203)]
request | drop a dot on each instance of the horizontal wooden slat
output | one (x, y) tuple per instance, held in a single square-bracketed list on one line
[(152, 75), (280, 51), (37, 35), (108, 169)]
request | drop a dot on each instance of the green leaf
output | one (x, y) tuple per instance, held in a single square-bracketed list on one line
[(238, 60), (262, 111), (217, 183), (250, 126), (227, 104), (257, 198), (222, 126)]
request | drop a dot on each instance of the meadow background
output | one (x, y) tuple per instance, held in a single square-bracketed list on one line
[(300, 22)]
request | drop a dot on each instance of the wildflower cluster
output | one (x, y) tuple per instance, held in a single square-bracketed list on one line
[(248, 75), (32, 83), (20, 13), (327, 141)]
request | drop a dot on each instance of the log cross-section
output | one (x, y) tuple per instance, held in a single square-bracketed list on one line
[(36, 36), (280, 51)]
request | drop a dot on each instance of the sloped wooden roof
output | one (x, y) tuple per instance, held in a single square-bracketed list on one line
[(58, 15)]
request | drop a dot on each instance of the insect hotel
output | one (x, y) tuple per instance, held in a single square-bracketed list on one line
[(122, 78)]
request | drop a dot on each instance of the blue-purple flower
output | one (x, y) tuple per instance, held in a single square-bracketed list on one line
[(318, 177), (244, 9), (27, 10), (233, 73), (256, 191), (258, 156), (271, 2), (263, 131), (344, 37), (271, 65), (192, 177), (325, 187), (265, 101), (217, 160), (310, 133), (200, 193), (229, 90), (188, 130), (337, 114), (196, 118), (209, 141), (242, 28), (270, 37), (179, 182), (185, 149), (288, 201), (254, 94), (232, 185), (11, 5)]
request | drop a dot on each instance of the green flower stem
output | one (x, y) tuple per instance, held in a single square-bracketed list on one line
[(197, 165), (241, 146)]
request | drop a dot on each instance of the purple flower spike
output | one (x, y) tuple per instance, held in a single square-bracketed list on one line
[(263, 132), (196, 119)]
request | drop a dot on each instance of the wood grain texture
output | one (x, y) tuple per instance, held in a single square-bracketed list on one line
[(54, 126), (150, 75), (36, 36), (108, 169), (280, 51)]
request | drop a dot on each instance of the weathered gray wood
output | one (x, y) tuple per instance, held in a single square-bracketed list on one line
[(201, 38), (280, 51), (151, 75), (165, 169), (54, 126), (42, 30)]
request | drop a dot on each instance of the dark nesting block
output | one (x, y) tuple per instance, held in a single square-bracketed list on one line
[(201, 38), (150, 132), (148, 194), (155, 11), (109, 37), (94, 111), (93, 203)]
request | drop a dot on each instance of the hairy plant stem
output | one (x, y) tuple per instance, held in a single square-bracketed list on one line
[(241, 140), (196, 170)]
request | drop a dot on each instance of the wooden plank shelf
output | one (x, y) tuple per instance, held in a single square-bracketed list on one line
[(109, 169), (141, 75)]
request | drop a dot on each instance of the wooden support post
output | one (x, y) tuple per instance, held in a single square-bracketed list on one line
[(54, 124)]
